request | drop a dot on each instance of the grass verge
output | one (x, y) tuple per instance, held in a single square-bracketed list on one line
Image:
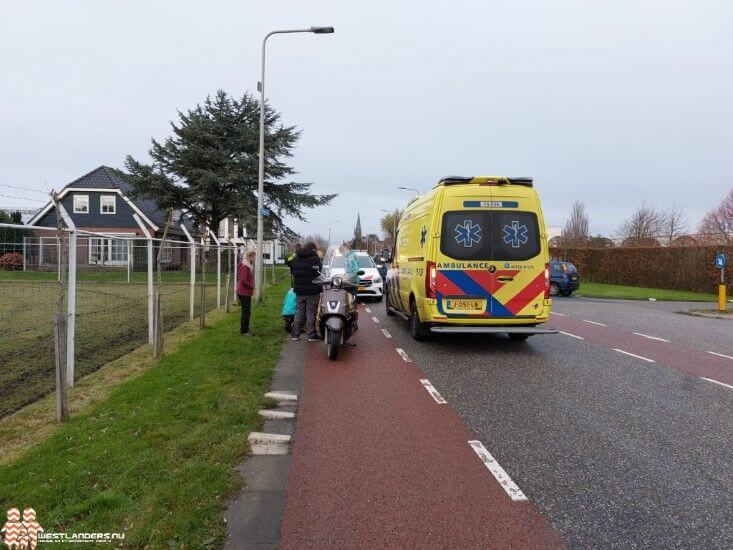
[(155, 458), (620, 292)]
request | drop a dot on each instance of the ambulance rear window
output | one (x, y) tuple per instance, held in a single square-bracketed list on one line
[(516, 236), (490, 235)]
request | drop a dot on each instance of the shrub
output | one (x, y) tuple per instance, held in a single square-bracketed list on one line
[(11, 261), (669, 267)]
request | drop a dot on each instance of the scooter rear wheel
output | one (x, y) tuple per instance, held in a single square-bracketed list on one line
[(334, 343)]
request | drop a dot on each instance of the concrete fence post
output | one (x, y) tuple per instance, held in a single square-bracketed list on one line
[(149, 237), (192, 287), (70, 295)]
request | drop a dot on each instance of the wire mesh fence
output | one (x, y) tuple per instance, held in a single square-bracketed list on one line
[(116, 279)]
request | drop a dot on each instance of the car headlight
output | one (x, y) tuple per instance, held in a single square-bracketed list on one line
[(377, 280)]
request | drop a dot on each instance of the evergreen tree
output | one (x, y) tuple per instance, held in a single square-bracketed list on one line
[(209, 166)]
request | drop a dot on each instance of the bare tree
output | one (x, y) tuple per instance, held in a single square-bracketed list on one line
[(390, 223), (575, 231), (717, 225), (643, 227), (674, 224), (320, 240)]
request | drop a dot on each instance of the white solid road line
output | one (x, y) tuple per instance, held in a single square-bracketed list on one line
[(560, 314), (720, 354), (651, 337), (571, 335), (593, 323), (404, 356), (432, 391), (375, 320), (514, 492), (367, 310), (634, 355), (386, 334), (716, 382)]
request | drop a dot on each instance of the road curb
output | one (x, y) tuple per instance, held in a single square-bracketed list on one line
[(253, 517)]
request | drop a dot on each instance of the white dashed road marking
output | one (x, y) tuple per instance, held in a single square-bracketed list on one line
[(514, 492), (571, 335), (404, 356), (594, 323), (367, 310), (633, 355), (651, 337), (375, 320), (432, 391), (560, 314), (720, 354), (386, 334), (716, 382)]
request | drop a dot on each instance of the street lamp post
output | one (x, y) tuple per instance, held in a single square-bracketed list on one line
[(329, 230), (261, 177), (417, 191)]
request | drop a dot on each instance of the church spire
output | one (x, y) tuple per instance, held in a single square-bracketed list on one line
[(357, 229)]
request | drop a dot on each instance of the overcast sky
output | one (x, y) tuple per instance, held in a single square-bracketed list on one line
[(611, 102)]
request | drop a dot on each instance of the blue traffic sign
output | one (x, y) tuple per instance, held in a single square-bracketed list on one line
[(720, 261)]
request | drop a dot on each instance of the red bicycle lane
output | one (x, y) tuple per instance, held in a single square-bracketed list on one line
[(377, 462), (670, 354)]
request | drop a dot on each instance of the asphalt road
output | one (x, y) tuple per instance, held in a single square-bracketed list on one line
[(615, 450)]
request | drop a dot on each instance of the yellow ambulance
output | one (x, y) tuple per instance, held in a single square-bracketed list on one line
[(471, 256)]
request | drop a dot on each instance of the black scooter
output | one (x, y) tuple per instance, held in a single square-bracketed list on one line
[(337, 312)]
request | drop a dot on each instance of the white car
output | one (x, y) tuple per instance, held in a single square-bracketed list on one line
[(370, 284)]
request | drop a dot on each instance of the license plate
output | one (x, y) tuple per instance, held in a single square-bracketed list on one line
[(574, 278), (464, 304), (361, 288)]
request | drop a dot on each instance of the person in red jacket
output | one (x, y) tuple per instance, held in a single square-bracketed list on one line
[(245, 286)]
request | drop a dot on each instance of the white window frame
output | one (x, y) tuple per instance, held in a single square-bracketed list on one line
[(107, 249), (77, 204), (166, 256), (101, 204)]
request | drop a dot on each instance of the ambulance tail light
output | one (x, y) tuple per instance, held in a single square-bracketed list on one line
[(431, 290), (547, 281)]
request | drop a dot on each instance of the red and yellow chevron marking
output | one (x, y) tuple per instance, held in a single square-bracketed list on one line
[(502, 296)]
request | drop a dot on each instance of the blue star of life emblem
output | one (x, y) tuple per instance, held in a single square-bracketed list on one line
[(468, 234), (423, 235), (515, 234)]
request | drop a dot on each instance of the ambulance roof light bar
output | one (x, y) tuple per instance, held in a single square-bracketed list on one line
[(484, 180)]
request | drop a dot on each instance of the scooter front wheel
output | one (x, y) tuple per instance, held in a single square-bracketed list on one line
[(334, 343)]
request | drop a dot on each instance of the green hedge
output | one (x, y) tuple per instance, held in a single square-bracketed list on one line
[(674, 267)]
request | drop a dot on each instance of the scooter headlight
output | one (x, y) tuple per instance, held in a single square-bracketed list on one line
[(336, 281)]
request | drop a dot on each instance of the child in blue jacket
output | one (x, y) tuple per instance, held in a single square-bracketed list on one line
[(288, 312)]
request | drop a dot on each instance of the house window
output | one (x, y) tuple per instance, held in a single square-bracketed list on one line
[(108, 251), (166, 256), (81, 204), (107, 204)]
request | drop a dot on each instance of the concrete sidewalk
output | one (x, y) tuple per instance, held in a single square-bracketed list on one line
[(253, 517)]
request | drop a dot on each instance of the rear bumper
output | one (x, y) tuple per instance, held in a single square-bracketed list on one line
[(467, 329)]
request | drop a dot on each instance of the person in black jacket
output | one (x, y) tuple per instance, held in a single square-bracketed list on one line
[(307, 293)]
